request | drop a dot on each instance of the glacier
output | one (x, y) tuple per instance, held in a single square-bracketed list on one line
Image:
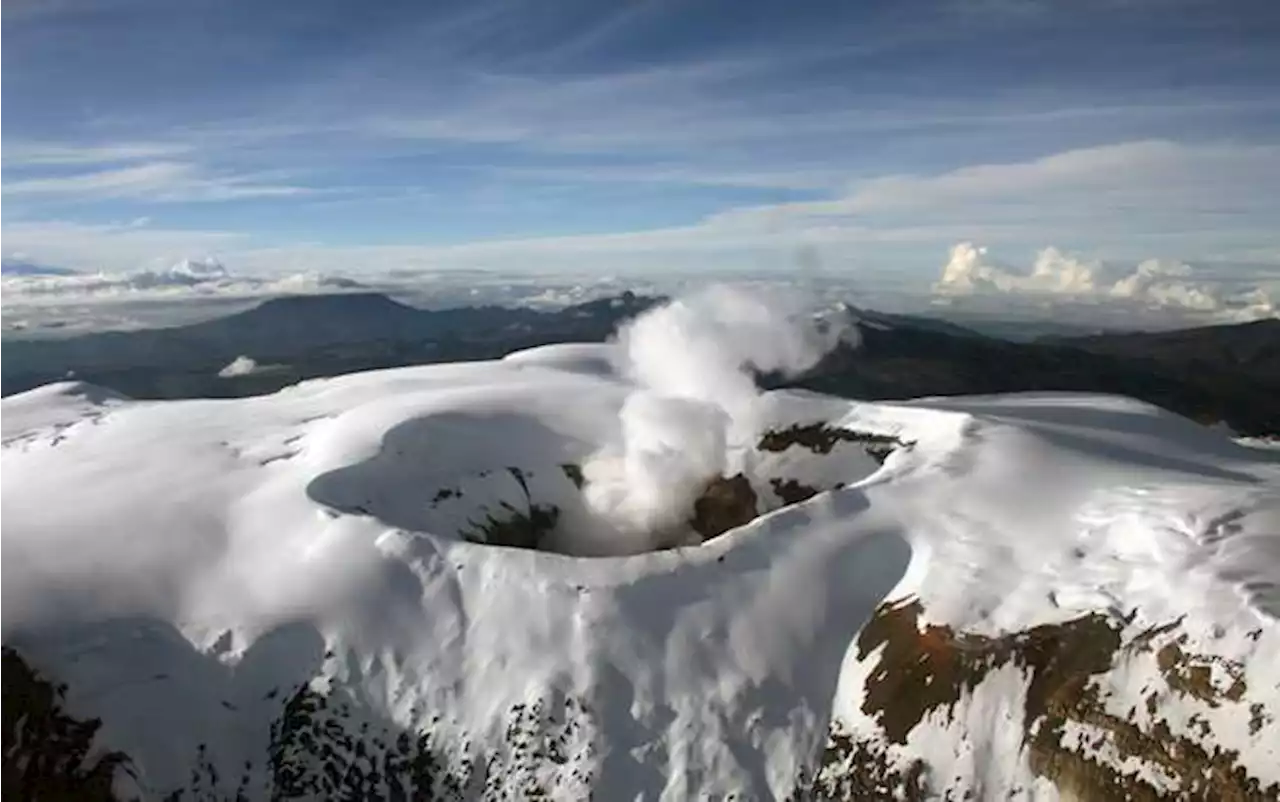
[(1033, 596)]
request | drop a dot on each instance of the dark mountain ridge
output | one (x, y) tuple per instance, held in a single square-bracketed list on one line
[(1219, 373), (1253, 346), (310, 335), (907, 362)]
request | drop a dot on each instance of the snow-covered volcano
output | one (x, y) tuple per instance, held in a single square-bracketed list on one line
[(398, 584)]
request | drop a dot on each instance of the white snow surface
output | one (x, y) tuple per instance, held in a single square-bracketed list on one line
[(175, 562)]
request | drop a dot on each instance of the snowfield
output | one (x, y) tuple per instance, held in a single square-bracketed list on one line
[(305, 594)]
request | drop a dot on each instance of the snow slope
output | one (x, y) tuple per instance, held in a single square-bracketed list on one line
[(278, 595)]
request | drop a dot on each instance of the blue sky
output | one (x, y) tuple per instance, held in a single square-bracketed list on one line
[(640, 136)]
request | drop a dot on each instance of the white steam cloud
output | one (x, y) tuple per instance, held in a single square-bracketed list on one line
[(695, 409), (1057, 275)]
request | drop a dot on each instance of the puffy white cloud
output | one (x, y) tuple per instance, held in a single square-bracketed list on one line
[(1055, 271), (1059, 276), (240, 366), (969, 270), (1167, 284), (187, 273)]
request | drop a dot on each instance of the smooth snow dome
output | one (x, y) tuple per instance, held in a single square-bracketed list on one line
[(306, 525), (187, 567)]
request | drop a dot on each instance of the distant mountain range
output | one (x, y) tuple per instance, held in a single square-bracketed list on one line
[(303, 336), (1251, 347), (1222, 373)]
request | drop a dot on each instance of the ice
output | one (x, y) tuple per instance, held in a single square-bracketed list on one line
[(177, 563)]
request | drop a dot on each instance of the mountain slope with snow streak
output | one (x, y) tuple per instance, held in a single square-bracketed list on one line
[(300, 595)]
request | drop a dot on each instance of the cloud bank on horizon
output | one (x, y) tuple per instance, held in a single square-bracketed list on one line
[(1066, 287), (1056, 276), (695, 139), (194, 278)]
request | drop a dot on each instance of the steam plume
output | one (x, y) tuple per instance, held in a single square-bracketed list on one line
[(695, 407)]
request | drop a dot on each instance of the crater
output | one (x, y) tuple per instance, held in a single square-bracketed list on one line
[(512, 480), (501, 479)]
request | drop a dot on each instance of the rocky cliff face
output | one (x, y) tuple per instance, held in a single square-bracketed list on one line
[(1069, 700), (922, 683)]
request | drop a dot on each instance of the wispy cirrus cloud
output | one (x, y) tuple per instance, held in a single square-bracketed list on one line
[(721, 109), (749, 101), (113, 247), (52, 153), (1126, 201), (1127, 176), (709, 175), (159, 181)]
